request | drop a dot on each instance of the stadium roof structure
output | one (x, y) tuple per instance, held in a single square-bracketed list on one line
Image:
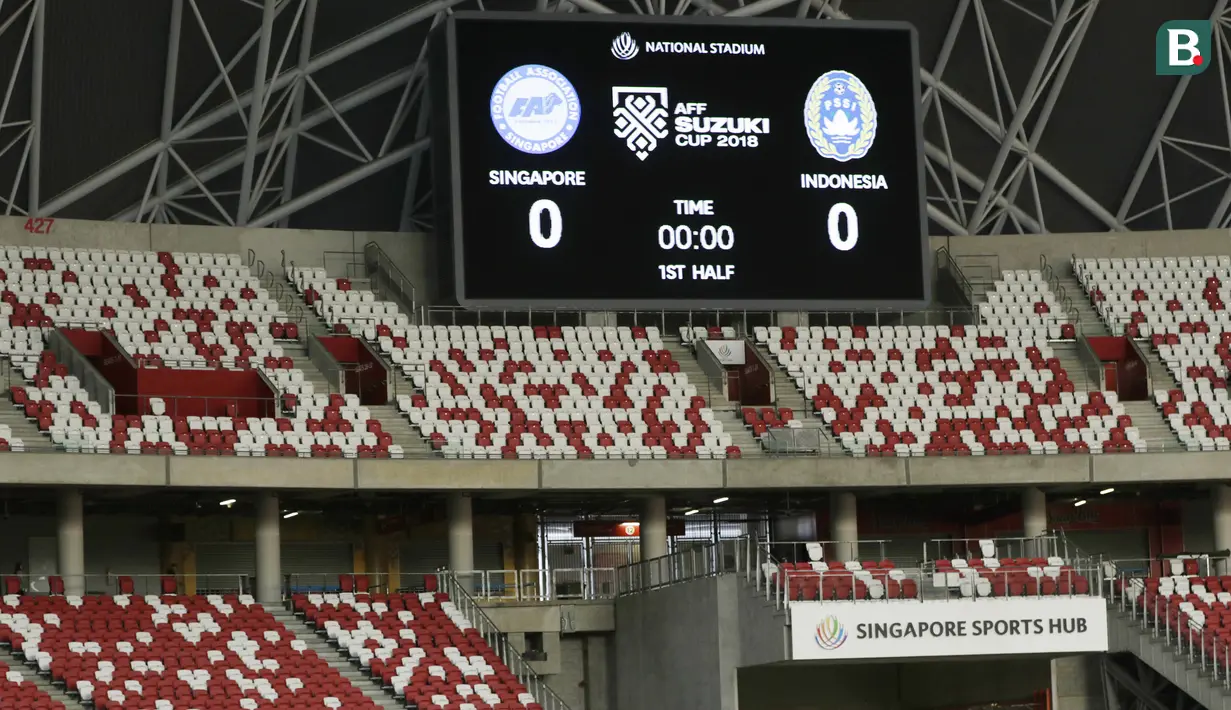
[(1039, 115)]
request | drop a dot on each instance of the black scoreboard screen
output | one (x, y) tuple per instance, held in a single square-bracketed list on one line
[(619, 161)]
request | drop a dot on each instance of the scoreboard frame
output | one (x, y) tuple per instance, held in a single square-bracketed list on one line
[(447, 171)]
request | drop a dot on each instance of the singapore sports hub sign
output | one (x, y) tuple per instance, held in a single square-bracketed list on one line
[(913, 629)]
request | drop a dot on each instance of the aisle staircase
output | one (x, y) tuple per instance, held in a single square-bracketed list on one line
[(1187, 666), (334, 658), (29, 674)]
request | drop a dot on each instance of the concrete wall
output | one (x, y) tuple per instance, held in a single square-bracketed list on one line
[(111, 543), (890, 686), (1022, 252), (303, 246), (678, 647), (1077, 683), (236, 474)]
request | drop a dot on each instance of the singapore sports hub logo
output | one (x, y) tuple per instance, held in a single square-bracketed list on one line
[(624, 46), (840, 116), (640, 114), (535, 109), (830, 634)]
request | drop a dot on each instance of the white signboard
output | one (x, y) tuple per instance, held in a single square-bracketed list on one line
[(727, 352), (908, 629)]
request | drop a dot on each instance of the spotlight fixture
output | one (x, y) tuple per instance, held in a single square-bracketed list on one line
[(1079, 503), (723, 499), (291, 514), (1105, 491), (694, 511), (227, 503)]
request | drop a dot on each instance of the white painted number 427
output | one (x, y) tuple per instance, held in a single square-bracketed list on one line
[(836, 238)]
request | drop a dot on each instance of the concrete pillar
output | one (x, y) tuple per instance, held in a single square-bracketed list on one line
[(844, 525), (654, 527), (1221, 499), (461, 533), (1034, 521), (70, 538), (268, 549)]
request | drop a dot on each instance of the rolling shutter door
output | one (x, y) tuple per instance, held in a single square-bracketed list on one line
[(316, 565), (421, 557), (221, 564)]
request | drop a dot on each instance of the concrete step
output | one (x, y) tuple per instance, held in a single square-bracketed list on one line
[(1088, 321), (302, 631), (29, 674), (1153, 427)]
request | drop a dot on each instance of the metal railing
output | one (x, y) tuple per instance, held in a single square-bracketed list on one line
[(499, 642), (1163, 620), (534, 585), (175, 405), (141, 584), (732, 556), (387, 280), (947, 264)]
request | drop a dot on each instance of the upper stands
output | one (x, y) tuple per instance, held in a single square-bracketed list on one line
[(186, 311), (923, 390), (531, 392), (1178, 305)]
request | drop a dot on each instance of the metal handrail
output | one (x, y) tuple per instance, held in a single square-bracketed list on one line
[(378, 263), (497, 639), (945, 260)]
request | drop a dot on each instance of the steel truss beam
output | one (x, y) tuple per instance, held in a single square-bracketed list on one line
[(1154, 149), (271, 110)]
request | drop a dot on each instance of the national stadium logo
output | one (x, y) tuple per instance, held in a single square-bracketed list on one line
[(640, 114), (830, 634), (840, 116), (624, 46), (535, 109)]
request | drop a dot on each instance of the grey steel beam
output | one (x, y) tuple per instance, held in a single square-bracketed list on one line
[(341, 182), (416, 168), (946, 50), (965, 175), (1164, 123), (1029, 96), (168, 89), (988, 124), (1220, 42), (1040, 124), (759, 7), (36, 107), (325, 59), (291, 158), (257, 111), (372, 91)]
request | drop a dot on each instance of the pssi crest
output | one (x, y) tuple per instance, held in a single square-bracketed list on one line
[(840, 116)]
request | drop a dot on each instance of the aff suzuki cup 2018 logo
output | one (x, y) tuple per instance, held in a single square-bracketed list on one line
[(640, 114), (840, 116), (624, 46), (535, 109), (830, 634)]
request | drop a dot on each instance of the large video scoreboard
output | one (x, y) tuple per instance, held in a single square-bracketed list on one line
[(620, 161)]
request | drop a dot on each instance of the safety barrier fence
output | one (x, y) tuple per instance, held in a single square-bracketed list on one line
[(779, 584), (1167, 620), (526, 585), (118, 583), (457, 590)]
